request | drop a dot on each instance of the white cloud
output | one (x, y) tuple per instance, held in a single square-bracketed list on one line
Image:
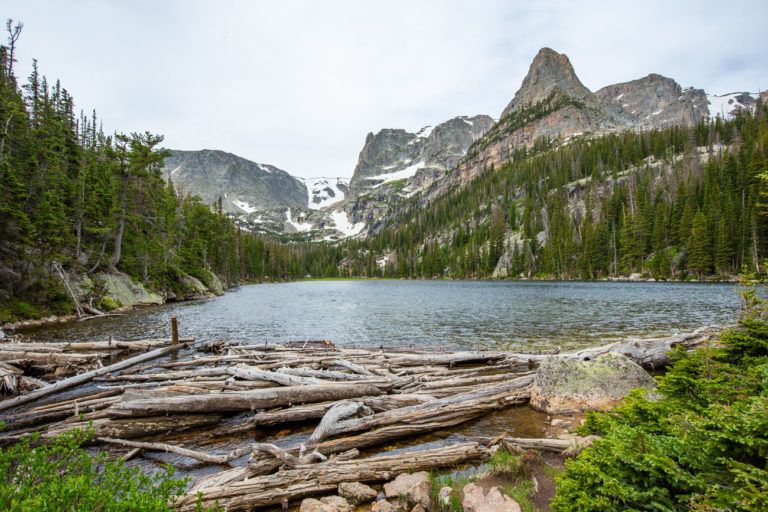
[(299, 84)]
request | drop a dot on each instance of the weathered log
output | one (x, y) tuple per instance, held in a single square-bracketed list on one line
[(573, 445), (322, 374), (448, 359), (138, 427), (300, 413), (340, 411), (652, 353), (241, 400), (252, 373), (306, 480), (169, 448), (85, 377), (355, 368)]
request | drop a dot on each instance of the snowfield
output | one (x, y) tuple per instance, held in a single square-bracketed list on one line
[(724, 104), (344, 226), (408, 172), (324, 192), (299, 226)]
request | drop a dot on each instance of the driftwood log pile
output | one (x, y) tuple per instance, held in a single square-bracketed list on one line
[(221, 399)]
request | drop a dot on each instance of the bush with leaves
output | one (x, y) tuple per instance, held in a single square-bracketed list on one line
[(61, 475), (699, 443)]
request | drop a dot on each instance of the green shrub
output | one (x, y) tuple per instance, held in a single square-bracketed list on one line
[(62, 476), (109, 304), (702, 445)]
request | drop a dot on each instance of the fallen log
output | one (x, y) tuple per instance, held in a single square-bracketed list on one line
[(300, 413), (137, 427), (169, 448), (241, 400), (85, 377), (252, 373), (652, 353), (309, 479)]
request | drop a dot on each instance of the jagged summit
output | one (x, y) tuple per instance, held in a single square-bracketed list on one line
[(548, 72)]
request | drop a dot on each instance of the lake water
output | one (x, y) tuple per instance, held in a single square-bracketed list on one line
[(467, 314)]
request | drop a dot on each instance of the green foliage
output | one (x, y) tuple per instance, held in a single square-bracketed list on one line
[(61, 475), (109, 304), (701, 445)]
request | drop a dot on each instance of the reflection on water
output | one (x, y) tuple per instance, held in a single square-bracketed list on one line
[(467, 314)]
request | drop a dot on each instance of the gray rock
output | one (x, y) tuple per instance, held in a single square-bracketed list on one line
[(475, 500), (126, 292), (326, 504), (444, 496), (356, 492), (412, 487), (566, 385)]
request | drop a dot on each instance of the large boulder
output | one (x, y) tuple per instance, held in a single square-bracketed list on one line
[(123, 290), (566, 385), (476, 500), (412, 487)]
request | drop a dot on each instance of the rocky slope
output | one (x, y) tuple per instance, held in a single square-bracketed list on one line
[(395, 164)]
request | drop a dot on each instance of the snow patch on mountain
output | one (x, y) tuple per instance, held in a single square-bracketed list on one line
[(724, 105), (299, 226), (243, 205), (344, 226), (408, 172), (324, 192)]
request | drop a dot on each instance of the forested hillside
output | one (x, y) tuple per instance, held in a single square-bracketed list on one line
[(673, 203), (92, 202)]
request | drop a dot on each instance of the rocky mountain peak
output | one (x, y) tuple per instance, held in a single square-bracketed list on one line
[(549, 71)]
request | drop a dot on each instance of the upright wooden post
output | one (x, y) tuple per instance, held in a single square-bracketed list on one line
[(174, 330)]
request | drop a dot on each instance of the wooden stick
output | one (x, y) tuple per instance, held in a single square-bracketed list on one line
[(169, 448)]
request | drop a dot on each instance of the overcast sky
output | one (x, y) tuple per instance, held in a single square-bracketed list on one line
[(299, 84)]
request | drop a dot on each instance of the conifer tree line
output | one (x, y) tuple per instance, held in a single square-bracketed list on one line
[(677, 203), (71, 194)]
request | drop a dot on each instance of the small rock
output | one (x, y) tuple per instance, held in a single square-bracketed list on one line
[(338, 503), (357, 493), (418, 508), (327, 504), (382, 506), (312, 505), (475, 500), (559, 423), (413, 487), (444, 496)]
